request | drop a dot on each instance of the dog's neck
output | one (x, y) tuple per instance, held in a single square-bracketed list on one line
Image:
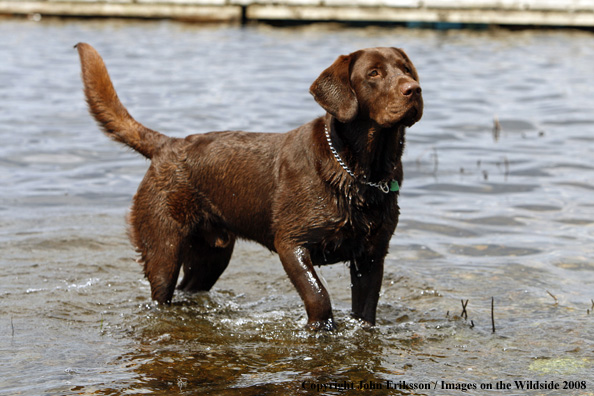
[(374, 153)]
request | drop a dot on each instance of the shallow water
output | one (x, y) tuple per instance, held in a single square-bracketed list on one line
[(505, 214)]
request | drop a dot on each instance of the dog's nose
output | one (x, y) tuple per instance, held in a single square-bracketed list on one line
[(410, 88)]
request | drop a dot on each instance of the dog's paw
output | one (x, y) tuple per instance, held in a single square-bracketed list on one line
[(325, 325), (362, 322)]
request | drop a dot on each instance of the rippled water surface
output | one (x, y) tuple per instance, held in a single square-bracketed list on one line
[(502, 213)]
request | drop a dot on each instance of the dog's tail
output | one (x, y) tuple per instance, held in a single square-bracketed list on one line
[(108, 111)]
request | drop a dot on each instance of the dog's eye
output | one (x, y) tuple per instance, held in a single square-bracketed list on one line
[(407, 70), (373, 73)]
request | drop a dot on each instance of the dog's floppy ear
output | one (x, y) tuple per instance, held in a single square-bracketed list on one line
[(332, 90)]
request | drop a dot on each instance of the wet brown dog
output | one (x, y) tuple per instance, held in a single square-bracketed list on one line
[(323, 193)]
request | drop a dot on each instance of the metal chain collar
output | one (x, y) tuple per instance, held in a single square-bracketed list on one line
[(383, 185)]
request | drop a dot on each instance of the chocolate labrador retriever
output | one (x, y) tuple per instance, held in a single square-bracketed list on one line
[(323, 193)]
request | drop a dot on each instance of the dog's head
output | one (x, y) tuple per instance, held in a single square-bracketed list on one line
[(376, 83)]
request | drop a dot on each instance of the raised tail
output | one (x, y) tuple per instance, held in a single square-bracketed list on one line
[(108, 111)]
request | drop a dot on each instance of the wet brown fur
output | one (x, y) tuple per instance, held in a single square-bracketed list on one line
[(285, 191)]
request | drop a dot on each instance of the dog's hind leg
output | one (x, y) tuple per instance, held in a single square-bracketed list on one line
[(158, 237), (204, 260), (160, 254)]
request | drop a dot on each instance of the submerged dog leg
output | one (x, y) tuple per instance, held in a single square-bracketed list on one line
[(203, 263), (298, 265), (366, 280)]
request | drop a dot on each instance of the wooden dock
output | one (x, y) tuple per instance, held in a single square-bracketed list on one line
[(565, 13)]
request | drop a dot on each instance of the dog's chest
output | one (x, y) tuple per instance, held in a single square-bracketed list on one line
[(358, 225)]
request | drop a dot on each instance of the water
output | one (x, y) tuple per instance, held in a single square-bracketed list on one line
[(506, 214)]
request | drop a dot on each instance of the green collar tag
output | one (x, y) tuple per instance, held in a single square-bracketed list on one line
[(394, 186)]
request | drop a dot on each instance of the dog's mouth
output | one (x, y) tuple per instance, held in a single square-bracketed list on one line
[(412, 116), (407, 116)]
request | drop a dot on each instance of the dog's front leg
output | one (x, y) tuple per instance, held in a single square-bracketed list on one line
[(297, 263), (366, 280)]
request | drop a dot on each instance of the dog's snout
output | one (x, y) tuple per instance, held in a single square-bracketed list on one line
[(410, 88)]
